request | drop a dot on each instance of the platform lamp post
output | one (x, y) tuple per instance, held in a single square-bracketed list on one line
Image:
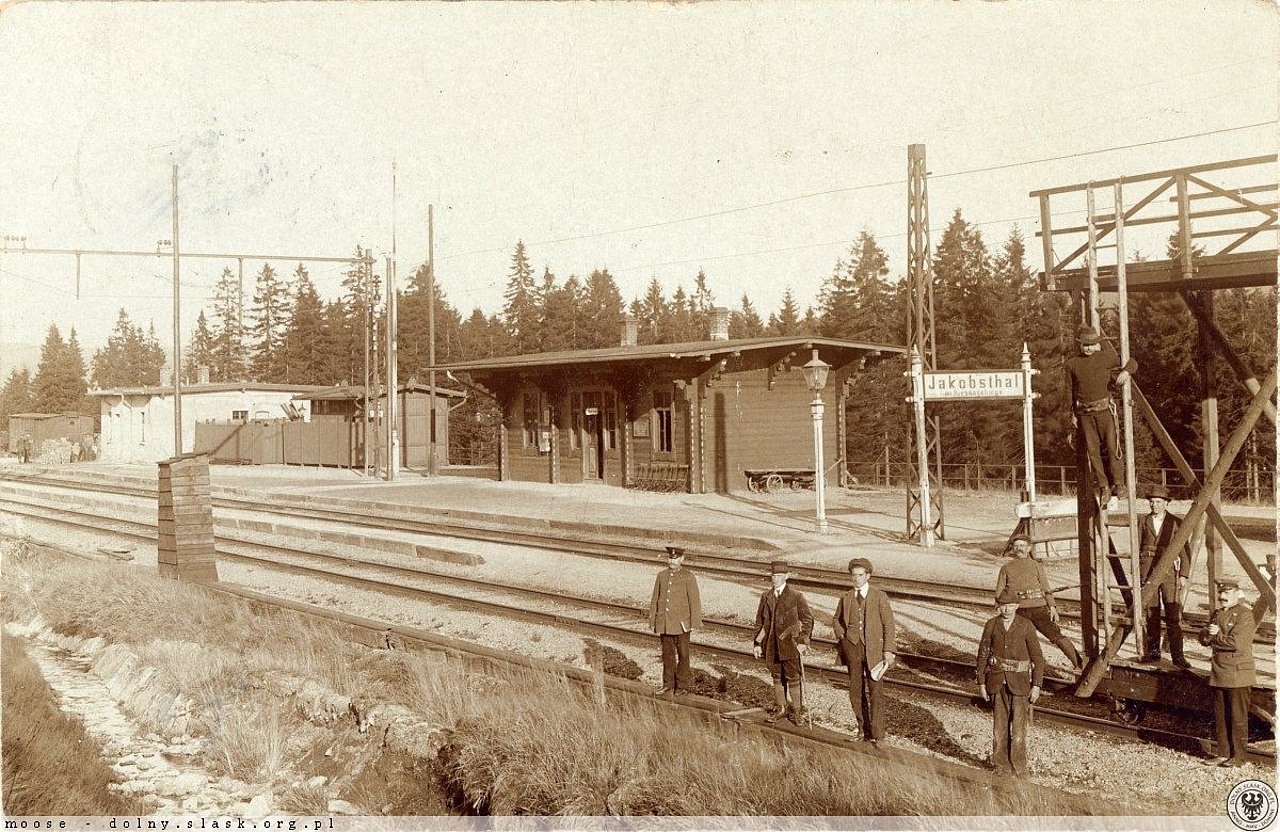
[(815, 378)]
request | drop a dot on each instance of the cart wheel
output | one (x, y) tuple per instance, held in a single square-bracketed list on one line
[(773, 483), (753, 484), (1128, 711)]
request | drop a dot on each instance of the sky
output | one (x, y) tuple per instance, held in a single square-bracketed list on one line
[(752, 140)]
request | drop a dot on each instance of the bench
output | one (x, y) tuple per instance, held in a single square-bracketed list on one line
[(661, 476), (773, 479)]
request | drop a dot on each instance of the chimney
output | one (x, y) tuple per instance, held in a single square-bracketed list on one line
[(630, 330), (202, 375), (719, 323)]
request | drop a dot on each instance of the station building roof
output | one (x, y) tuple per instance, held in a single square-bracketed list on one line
[(764, 350), (214, 387)]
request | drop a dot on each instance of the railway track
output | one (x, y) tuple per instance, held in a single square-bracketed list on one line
[(828, 581), (618, 622)]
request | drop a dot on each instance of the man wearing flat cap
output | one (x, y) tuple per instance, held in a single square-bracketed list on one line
[(1025, 579), (1090, 378), (783, 628), (1010, 670), (675, 611), (1156, 530), (1230, 636), (864, 631)]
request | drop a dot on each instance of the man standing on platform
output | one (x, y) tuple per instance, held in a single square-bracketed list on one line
[(1010, 668), (1090, 376), (864, 631), (1028, 584), (783, 628), (675, 611), (1157, 529), (1231, 675)]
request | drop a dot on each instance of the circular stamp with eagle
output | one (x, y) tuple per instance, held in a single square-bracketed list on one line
[(1252, 805)]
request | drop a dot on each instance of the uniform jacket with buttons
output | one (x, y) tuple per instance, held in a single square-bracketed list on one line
[(1019, 643), (1026, 577), (1232, 664), (675, 607), (783, 622), (1153, 545), (871, 621)]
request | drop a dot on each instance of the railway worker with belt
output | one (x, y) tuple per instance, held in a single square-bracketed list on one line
[(1231, 675), (783, 628), (1025, 578), (1010, 669), (864, 630), (1090, 377), (675, 611), (1157, 529)]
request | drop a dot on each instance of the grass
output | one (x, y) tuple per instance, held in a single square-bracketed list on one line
[(523, 743), (43, 746)]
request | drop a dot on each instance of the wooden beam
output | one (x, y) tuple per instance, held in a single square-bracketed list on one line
[(1164, 561), (1207, 325), (1161, 174), (1266, 592)]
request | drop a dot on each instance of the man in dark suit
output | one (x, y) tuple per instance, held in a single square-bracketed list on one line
[(1010, 668), (675, 611), (783, 628), (1157, 529), (1231, 675), (864, 630)]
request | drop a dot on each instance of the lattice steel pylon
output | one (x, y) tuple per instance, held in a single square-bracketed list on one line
[(924, 485)]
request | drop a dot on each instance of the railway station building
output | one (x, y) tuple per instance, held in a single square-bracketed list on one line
[(692, 417), (137, 422)]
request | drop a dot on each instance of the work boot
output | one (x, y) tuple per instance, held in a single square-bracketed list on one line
[(779, 708), (798, 714), (1069, 650), (1181, 661)]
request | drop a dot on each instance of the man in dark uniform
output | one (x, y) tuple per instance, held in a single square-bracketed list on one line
[(864, 630), (783, 627), (1010, 668), (1090, 377), (1025, 578), (1157, 529), (1231, 675), (675, 611)]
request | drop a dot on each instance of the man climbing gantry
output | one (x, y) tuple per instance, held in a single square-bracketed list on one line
[(1091, 377)]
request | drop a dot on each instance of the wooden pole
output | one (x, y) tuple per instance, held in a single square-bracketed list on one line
[(1126, 404)]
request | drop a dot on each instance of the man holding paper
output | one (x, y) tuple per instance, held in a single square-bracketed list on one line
[(864, 631)]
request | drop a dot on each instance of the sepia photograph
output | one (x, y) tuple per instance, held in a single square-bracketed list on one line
[(761, 415)]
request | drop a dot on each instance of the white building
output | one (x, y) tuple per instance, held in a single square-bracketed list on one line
[(137, 422)]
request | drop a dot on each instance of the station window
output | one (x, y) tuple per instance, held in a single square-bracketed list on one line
[(662, 439), (239, 415), (610, 422), (575, 419), (530, 415)]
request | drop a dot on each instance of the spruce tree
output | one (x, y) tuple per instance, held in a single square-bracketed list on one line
[(520, 310)]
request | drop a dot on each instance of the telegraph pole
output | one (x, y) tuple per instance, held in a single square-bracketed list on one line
[(431, 333), (177, 330), (393, 420)]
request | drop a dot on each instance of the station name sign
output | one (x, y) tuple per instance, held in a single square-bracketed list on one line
[(974, 384)]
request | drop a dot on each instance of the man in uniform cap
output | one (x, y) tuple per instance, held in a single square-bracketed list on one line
[(675, 611), (864, 631), (1230, 636), (1090, 377), (1010, 669), (783, 628), (1156, 530), (1025, 579)]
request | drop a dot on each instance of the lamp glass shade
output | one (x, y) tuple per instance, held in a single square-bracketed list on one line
[(815, 373)]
